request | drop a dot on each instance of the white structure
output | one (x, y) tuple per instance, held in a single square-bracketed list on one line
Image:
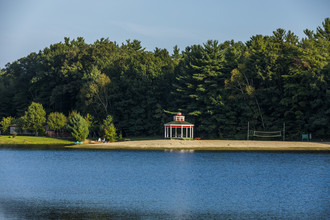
[(179, 128)]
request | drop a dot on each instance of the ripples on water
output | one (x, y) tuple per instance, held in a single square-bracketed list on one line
[(59, 184)]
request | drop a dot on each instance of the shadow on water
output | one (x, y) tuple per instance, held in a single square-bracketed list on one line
[(45, 210), (35, 147), (68, 148)]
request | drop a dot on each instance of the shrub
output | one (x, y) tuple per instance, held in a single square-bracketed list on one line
[(14, 134)]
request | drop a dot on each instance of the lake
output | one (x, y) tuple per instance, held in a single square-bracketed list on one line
[(87, 184)]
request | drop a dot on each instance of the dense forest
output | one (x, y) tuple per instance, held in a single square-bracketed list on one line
[(220, 87)]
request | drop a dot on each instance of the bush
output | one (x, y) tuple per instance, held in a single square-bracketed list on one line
[(14, 134), (78, 127)]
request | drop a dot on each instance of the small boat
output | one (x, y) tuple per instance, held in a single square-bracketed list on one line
[(77, 142)]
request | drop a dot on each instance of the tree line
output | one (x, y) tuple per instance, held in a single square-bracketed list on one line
[(220, 87), (35, 120)]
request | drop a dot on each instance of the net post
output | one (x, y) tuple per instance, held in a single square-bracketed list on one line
[(283, 131), (248, 130)]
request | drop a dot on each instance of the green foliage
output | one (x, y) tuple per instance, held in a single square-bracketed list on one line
[(56, 121), (5, 124), (92, 124), (78, 127), (19, 122), (94, 93), (109, 129), (34, 117), (72, 114), (14, 134), (42, 132), (110, 133), (218, 86)]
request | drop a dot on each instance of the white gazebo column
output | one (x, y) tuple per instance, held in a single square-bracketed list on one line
[(170, 131), (176, 132), (192, 132), (181, 131), (189, 131)]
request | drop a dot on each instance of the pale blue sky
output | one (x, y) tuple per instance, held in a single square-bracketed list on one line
[(31, 25)]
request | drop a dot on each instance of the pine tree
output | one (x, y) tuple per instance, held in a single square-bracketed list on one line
[(78, 127), (109, 129)]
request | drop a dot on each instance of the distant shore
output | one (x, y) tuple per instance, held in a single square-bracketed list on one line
[(211, 145)]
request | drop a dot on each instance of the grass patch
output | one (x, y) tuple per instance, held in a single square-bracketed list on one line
[(30, 140)]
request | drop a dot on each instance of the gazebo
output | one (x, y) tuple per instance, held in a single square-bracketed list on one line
[(179, 128)]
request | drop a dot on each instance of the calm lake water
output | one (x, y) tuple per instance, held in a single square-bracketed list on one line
[(80, 184)]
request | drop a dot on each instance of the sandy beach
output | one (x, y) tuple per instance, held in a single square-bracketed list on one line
[(218, 145)]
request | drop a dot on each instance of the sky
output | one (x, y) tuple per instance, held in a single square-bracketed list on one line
[(28, 26)]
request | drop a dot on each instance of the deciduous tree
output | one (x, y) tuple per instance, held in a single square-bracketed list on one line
[(56, 121), (5, 124), (35, 117)]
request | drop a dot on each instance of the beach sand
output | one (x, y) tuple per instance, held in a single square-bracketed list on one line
[(218, 145)]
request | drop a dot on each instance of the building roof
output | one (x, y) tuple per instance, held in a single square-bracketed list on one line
[(178, 123)]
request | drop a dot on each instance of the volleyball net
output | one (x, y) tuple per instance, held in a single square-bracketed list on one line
[(266, 134)]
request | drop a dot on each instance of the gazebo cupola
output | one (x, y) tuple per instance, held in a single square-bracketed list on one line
[(179, 128)]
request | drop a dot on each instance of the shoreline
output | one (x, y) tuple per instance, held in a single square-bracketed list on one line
[(209, 145)]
